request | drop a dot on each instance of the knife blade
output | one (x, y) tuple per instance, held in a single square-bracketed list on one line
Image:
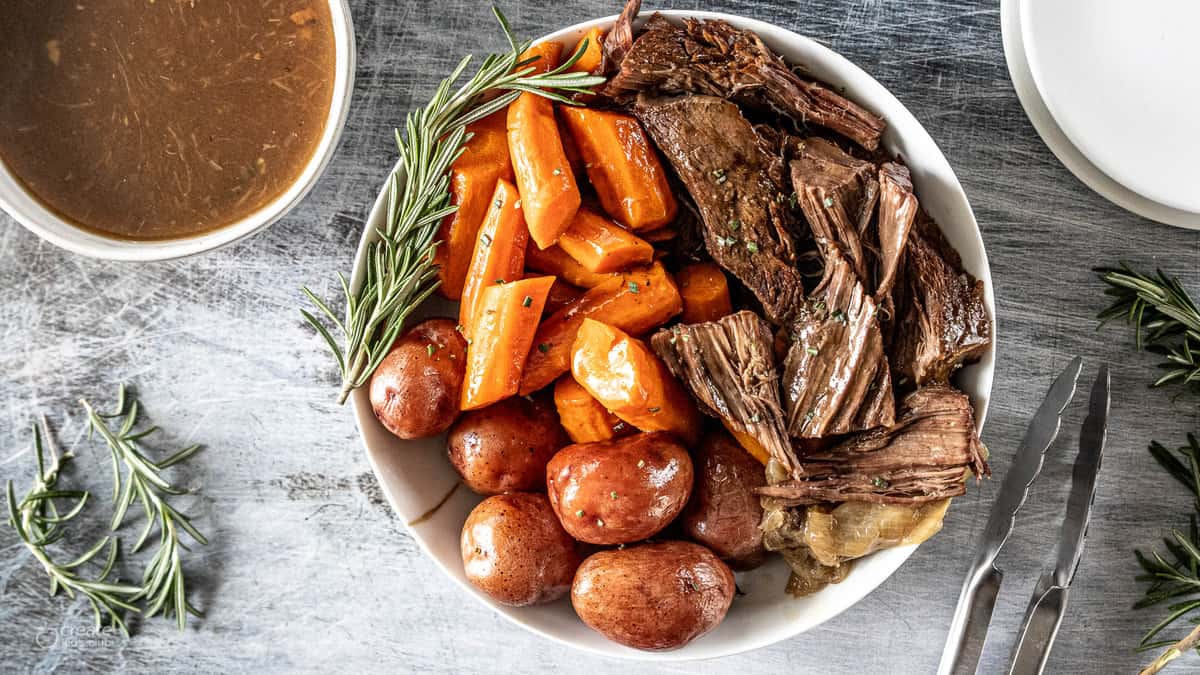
[(1049, 601), (968, 628)]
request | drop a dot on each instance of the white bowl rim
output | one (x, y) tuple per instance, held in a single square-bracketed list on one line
[(364, 415), (30, 212)]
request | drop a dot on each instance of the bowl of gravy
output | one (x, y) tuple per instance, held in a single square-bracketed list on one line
[(155, 129)]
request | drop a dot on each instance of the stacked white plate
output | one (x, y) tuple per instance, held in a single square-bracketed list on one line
[(1113, 88)]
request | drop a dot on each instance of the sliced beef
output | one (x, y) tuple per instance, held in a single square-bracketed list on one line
[(836, 378), (897, 210), (942, 320), (737, 186), (923, 457), (714, 58), (837, 193), (729, 367)]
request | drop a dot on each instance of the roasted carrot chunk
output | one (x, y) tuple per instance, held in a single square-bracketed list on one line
[(473, 179), (555, 261), (561, 295), (705, 293), (549, 194), (499, 254), (750, 444), (601, 245), (585, 420), (593, 53), (549, 55), (635, 301), (505, 320), (621, 165), (625, 376)]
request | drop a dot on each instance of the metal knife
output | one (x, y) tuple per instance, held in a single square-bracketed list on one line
[(968, 629), (1049, 601)]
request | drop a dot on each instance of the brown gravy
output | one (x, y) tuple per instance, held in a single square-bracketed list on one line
[(157, 119)]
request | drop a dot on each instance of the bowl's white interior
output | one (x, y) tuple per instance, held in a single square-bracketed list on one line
[(415, 475), (31, 213)]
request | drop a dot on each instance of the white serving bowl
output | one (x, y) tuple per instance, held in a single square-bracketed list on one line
[(416, 475), (30, 212)]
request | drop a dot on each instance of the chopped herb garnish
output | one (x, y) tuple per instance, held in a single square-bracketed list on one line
[(579, 513), (694, 585), (828, 202), (839, 316), (613, 494), (809, 415), (544, 347), (429, 349), (527, 301), (486, 239), (792, 200), (499, 282), (498, 203), (755, 418), (719, 174), (812, 350), (557, 172), (459, 328), (633, 287), (752, 247), (880, 482), (735, 224)]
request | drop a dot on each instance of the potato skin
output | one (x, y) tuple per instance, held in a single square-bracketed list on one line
[(515, 550), (653, 596), (505, 446), (415, 391), (723, 512), (619, 491)]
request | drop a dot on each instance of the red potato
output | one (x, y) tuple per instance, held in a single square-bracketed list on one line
[(505, 446), (416, 389), (619, 491), (724, 512), (653, 596), (515, 550)]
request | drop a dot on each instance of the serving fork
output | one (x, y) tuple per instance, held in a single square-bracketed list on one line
[(969, 627)]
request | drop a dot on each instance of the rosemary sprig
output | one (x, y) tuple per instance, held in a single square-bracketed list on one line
[(39, 523), (163, 584), (1165, 318), (1174, 576), (400, 273)]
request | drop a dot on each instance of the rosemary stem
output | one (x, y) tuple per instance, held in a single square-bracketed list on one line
[(1173, 652)]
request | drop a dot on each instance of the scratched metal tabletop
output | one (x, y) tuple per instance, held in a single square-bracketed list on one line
[(309, 571)]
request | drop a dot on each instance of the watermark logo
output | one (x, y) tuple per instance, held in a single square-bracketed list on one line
[(78, 637)]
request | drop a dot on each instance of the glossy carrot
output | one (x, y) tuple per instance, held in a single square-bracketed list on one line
[(584, 418), (473, 179), (505, 321), (659, 235), (621, 165), (499, 254), (635, 301), (555, 261), (593, 53), (549, 194), (601, 245), (561, 295), (626, 377), (750, 444), (705, 293), (549, 55)]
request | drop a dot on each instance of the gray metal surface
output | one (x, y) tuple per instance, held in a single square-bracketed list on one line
[(308, 571)]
